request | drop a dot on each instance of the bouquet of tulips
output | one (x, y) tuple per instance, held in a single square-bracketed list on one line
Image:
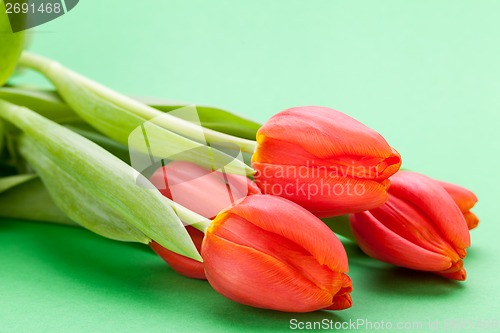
[(252, 209)]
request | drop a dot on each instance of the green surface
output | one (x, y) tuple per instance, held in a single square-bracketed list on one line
[(423, 73)]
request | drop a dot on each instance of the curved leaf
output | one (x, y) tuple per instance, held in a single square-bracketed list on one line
[(29, 200), (105, 177), (45, 102), (215, 118), (50, 105), (6, 183), (117, 115), (79, 201)]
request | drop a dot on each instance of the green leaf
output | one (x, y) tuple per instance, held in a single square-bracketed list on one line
[(6, 183), (115, 148), (45, 102), (166, 145), (11, 46), (29, 200), (2, 137), (117, 115), (78, 200), (214, 118), (13, 158), (226, 122), (50, 105), (66, 160)]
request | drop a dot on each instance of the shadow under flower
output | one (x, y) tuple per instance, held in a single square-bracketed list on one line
[(243, 317), (75, 261)]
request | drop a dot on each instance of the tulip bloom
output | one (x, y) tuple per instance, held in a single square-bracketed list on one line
[(419, 227), (323, 160), (203, 191), (206, 193), (465, 200), (268, 252)]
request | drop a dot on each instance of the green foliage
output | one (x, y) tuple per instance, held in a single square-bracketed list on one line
[(93, 187)]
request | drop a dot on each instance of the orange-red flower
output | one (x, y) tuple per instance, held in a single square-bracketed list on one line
[(419, 227), (203, 191), (465, 200), (324, 160), (268, 252)]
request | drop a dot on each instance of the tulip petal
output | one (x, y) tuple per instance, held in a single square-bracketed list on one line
[(179, 263), (410, 223), (472, 220), (464, 198), (460, 275), (319, 191), (325, 133), (284, 289), (383, 244), (240, 231), (432, 199), (455, 267), (323, 145), (319, 240), (203, 191), (285, 153), (276, 151), (455, 272), (340, 302)]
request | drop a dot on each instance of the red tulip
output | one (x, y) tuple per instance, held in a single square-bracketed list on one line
[(203, 191), (465, 200), (323, 160), (419, 227), (270, 253)]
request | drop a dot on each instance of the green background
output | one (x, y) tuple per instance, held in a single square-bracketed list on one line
[(425, 74)]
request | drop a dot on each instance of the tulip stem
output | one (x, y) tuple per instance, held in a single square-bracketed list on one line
[(169, 122)]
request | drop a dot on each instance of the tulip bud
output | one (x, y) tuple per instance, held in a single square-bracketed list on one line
[(270, 253), (323, 160), (202, 191), (465, 200), (419, 227)]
